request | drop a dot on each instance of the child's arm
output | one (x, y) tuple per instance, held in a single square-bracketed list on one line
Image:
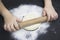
[(49, 10), (4, 11), (10, 21)]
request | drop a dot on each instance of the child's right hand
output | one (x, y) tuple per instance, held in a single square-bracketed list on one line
[(11, 23)]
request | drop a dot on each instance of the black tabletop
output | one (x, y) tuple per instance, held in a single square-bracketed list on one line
[(53, 31)]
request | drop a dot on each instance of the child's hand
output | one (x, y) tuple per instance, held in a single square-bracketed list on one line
[(50, 13), (11, 23)]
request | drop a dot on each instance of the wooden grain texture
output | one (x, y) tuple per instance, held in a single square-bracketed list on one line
[(32, 21)]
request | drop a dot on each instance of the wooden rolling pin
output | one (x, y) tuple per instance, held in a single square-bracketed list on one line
[(32, 21)]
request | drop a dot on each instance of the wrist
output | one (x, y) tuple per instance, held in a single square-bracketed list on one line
[(48, 3), (6, 14)]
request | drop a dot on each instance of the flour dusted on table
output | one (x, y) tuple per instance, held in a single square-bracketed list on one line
[(29, 12)]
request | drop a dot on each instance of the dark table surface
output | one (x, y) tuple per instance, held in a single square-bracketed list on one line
[(50, 35)]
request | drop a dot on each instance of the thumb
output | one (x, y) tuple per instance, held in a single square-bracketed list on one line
[(18, 20)]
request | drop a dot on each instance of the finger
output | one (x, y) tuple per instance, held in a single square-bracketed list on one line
[(48, 17), (8, 28), (51, 18), (55, 17), (16, 26), (44, 13), (5, 27), (12, 28)]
